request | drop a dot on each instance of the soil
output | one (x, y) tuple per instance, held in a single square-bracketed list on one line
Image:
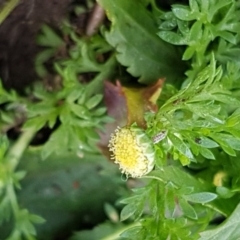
[(18, 35), (17, 38)]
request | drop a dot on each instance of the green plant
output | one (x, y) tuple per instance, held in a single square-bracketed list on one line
[(72, 108), (197, 124), (185, 149)]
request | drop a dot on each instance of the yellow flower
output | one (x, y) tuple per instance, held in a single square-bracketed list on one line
[(132, 150)]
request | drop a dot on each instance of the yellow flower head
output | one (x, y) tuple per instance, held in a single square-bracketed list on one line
[(132, 150)]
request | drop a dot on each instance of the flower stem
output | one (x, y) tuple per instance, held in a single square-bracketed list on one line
[(7, 9), (16, 151)]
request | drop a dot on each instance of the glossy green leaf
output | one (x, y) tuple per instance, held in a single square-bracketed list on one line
[(226, 99), (207, 153), (168, 25), (183, 27), (184, 13), (173, 38), (138, 48), (230, 140), (180, 146), (206, 142)]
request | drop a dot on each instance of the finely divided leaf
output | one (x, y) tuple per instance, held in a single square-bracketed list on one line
[(133, 34)]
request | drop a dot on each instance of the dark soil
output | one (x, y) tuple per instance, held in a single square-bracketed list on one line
[(17, 38)]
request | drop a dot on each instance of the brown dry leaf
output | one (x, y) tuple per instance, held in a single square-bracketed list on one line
[(128, 105), (140, 100)]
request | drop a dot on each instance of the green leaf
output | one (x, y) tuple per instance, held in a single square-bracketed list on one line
[(195, 32), (80, 111), (128, 211), (134, 231), (203, 197), (189, 52), (206, 142), (228, 37), (207, 74), (179, 177), (180, 146), (234, 119), (4, 144), (184, 13), (17, 177), (229, 229), (187, 209), (40, 59), (99, 111), (183, 27), (5, 208), (193, 5), (36, 122), (74, 95), (111, 212), (224, 192), (58, 141), (41, 109), (49, 38), (208, 111), (232, 141), (225, 144), (94, 101), (102, 231), (173, 38), (224, 98), (170, 200), (138, 47), (6, 9), (168, 24), (207, 153)]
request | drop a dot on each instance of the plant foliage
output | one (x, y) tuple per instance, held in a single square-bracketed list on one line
[(194, 128)]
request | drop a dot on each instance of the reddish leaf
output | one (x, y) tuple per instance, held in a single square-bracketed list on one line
[(128, 105)]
